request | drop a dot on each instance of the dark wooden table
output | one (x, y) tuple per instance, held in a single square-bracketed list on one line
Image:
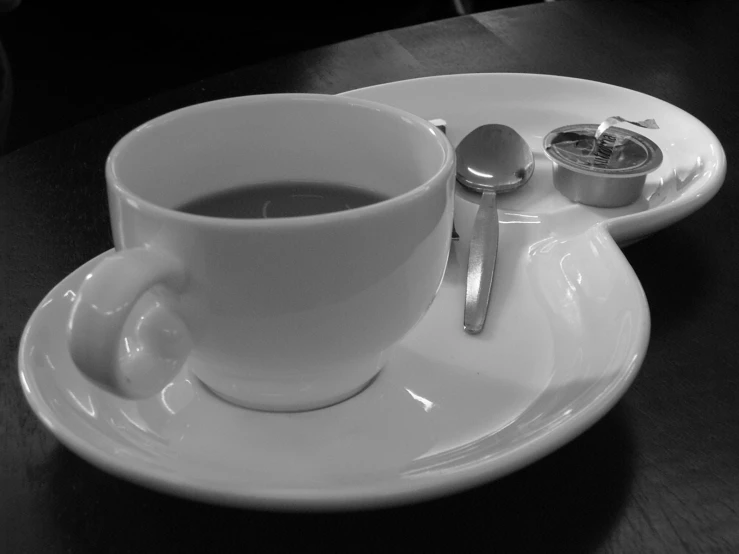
[(659, 473)]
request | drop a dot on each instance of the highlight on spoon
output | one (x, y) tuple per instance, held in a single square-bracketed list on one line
[(494, 157)]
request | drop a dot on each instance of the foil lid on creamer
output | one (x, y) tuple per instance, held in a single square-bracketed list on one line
[(616, 152)]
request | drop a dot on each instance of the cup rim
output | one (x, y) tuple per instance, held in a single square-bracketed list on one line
[(116, 183)]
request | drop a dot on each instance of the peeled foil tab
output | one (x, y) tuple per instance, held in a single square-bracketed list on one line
[(606, 147), (611, 121), (612, 151)]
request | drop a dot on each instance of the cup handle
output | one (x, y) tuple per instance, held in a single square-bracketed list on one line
[(102, 306)]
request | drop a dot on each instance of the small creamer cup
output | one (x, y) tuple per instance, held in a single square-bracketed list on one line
[(602, 185), (278, 314)]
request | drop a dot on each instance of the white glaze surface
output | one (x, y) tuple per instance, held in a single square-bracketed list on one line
[(692, 172), (568, 332)]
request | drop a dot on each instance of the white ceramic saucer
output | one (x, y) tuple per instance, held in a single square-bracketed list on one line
[(694, 163), (568, 330)]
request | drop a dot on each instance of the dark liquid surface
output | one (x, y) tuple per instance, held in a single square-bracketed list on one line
[(281, 199)]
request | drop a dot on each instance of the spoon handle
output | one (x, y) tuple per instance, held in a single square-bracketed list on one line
[(481, 265)]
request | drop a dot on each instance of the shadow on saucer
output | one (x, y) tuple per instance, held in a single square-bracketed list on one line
[(675, 270), (567, 502)]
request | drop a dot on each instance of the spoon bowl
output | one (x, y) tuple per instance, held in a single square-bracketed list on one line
[(494, 158)]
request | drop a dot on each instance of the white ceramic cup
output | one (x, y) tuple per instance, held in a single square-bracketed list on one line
[(276, 314)]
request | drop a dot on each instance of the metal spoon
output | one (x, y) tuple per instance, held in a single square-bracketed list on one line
[(491, 159)]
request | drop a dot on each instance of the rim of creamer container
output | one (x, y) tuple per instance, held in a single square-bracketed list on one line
[(652, 159)]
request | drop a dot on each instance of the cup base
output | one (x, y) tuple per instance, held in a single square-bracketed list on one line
[(290, 409)]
